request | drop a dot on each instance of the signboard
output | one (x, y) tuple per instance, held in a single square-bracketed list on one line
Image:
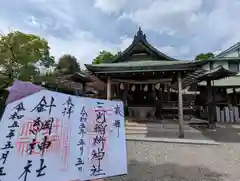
[(59, 137)]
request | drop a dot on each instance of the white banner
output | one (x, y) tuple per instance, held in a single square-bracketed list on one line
[(50, 136)]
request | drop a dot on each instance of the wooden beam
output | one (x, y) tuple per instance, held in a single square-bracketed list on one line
[(180, 107), (150, 81)]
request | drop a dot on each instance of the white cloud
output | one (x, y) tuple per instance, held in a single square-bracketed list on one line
[(125, 42), (187, 27), (59, 26), (202, 30), (174, 51), (217, 52), (83, 45), (110, 6), (165, 16)]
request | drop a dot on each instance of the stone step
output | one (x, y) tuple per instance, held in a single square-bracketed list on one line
[(155, 126), (136, 132), (157, 129), (150, 125), (145, 129), (136, 129)]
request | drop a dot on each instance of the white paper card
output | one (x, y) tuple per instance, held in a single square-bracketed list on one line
[(50, 136)]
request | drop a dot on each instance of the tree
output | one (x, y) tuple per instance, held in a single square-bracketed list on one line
[(204, 56), (19, 52), (29, 72), (104, 57), (68, 64)]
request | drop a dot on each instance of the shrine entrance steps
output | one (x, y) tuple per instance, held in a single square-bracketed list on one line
[(161, 129), (144, 128)]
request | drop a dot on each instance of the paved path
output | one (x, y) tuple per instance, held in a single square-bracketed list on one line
[(151, 161)]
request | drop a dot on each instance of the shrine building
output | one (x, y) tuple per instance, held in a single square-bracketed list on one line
[(153, 85)]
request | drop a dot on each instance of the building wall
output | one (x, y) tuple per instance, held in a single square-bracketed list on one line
[(206, 66), (230, 65), (233, 65), (220, 63)]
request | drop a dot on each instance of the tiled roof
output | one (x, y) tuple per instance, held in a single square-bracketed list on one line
[(140, 39), (232, 81), (139, 66), (227, 51)]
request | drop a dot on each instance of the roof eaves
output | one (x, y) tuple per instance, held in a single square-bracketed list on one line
[(179, 67), (232, 48), (158, 52), (225, 58), (230, 82), (122, 53), (150, 70), (144, 41), (203, 75), (219, 69), (138, 64)]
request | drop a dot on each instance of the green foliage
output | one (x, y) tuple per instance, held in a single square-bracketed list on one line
[(49, 81), (46, 60), (28, 72), (47, 78), (104, 57), (204, 56), (19, 52), (68, 64)]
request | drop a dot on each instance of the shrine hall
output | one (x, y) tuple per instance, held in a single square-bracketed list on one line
[(153, 85)]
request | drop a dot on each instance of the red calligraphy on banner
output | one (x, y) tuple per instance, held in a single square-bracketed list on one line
[(92, 119), (25, 138), (93, 135), (65, 146), (59, 139)]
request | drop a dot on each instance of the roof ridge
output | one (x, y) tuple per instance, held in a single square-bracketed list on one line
[(231, 48), (141, 37)]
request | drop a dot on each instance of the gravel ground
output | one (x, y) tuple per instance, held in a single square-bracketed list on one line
[(151, 161)]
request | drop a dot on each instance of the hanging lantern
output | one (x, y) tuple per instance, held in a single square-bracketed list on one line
[(121, 86), (157, 86), (165, 88), (144, 97), (156, 98), (153, 87), (133, 88), (146, 88)]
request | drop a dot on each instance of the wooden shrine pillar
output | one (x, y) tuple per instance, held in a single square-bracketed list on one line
[(159, 102), (84, 89), (125, 93), (180, 107), (168, 93), (109, 86), (235, 101), (162, 93), (210, 105)]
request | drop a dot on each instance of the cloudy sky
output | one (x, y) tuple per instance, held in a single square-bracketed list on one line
[(179, 28)]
